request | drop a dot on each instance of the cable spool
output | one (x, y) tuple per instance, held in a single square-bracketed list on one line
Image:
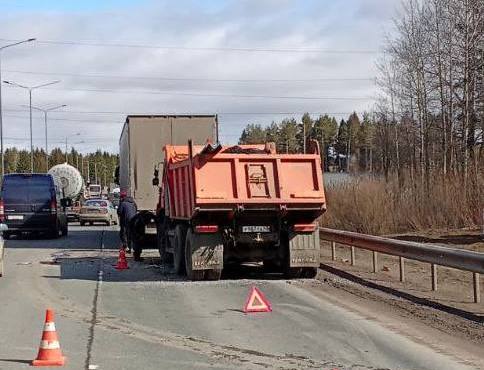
[(67, 178)]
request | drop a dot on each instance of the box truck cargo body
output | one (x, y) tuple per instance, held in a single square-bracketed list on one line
[(141, 153)]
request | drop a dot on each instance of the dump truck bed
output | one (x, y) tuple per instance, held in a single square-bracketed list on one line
[(247, 177)]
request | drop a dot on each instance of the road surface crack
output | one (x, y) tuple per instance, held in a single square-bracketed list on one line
[(95, 300)]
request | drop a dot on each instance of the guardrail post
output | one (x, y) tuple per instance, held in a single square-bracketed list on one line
[(477, 288), (434, 276), (402, 269), (375, 261), (333, 251), (353, 256)]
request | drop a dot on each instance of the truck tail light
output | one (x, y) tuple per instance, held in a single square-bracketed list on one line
[(305, 228), (2, 211), (206, 229), (53, 206)]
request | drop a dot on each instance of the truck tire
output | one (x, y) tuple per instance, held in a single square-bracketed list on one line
[(271, 266), (161, 242), (194, 275), (309, 272), (179, 249), (214, 274)]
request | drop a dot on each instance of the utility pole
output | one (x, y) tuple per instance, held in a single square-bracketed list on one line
[(45, 111), (30, 89), (88, 177), (1, 113)]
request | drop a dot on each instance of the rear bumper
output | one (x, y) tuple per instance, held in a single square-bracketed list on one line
[(28, 228), (32, 223), (94, 218), (73, 216)]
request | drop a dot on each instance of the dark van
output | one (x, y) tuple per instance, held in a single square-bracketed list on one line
[(32, 203)]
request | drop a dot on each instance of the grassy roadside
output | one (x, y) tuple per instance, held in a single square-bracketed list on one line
[(375, 206)]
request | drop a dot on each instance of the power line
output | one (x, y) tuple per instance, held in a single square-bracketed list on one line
[(209, 95), (65, 119), (287, 113), (195, 79), (192, 48)]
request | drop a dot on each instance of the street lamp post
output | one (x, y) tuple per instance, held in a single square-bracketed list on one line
[(67, 158), (1, 115), (45, 111), (30, 89)]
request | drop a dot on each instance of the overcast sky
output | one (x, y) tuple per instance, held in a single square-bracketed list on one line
[(246, 60)]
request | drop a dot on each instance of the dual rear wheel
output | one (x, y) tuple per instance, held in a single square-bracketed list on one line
[(183, 250)]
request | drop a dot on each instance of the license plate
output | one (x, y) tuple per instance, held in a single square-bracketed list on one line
[(15, 217), (256, 229)]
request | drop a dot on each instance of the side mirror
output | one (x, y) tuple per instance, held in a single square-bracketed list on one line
[(3, 227), (156, 180), (66, 202)]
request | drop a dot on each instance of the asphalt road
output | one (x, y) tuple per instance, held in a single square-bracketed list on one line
[(148, 318)]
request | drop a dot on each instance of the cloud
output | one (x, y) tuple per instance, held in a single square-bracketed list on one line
[(346, 25)]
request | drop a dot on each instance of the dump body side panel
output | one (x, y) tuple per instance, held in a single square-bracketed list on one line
[(228, 181), (254, 179)]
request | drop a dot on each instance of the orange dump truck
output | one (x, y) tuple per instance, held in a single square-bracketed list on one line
[(223, 205)]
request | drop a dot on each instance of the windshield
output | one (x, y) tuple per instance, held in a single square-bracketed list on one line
[(96, 203)]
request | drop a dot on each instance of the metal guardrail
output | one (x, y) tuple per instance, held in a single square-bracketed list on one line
[(435, 255)]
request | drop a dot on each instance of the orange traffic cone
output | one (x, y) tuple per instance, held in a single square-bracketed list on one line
[(122, 262), (50, 353)]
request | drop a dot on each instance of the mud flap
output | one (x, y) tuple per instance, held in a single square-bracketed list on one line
[(208, 252), (304, 249)]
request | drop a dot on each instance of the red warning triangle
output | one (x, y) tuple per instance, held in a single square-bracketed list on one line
[(256, 302)]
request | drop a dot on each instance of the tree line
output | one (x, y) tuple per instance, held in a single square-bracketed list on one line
[(347, 145), (97, 167)]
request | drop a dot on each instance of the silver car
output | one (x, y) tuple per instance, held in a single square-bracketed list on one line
[(98, 210)]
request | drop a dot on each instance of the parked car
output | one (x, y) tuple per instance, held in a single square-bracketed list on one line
[(98, 210), (73, 211), (32, 203)]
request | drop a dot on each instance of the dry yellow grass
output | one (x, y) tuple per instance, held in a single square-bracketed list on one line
[(375, 206)]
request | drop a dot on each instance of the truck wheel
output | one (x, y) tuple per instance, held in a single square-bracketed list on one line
[(192, 274), (309, 272), (271, 266), (179, 249), (161, 241), (293, 272), (213, 274)]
